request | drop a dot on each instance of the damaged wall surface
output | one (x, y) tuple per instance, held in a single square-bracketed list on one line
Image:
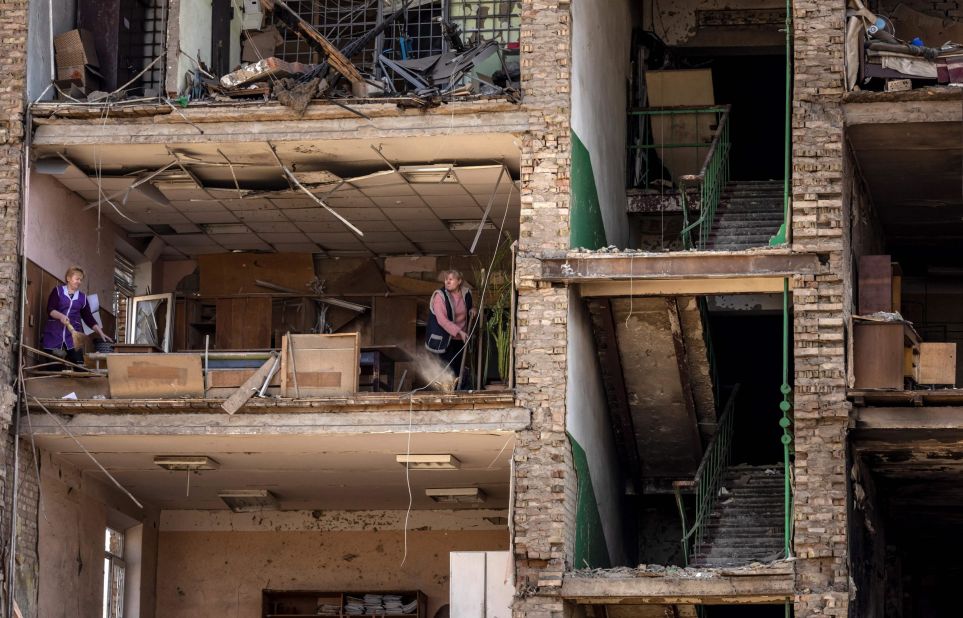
[(587, 420), (59, 233), (76, 511), (709, 23), (600, 70), (217, 563)]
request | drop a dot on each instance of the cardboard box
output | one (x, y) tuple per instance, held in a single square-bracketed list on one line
[(80, 75), (74, 48)]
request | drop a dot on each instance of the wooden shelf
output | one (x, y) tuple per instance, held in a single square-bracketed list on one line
[(303, 603)]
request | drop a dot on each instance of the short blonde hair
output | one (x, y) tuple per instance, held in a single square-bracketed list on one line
[(75, 269), (453, 273)]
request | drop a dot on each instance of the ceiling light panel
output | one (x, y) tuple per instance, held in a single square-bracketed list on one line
[(186, 462), (445, 461), (457, 495)]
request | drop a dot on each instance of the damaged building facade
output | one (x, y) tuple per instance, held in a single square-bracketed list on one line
[(709, 244)]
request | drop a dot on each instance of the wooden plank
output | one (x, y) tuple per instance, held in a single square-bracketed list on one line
[(241, 396), (906, 418), (141, 376), (690, 87), (223, 274), (937, 363), (233, 378), (56, 386), (875, 284), (684, 287), (319, 365)]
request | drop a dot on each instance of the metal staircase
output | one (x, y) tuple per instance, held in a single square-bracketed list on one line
[(748, 215)]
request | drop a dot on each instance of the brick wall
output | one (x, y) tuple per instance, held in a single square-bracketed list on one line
[(13, 31), (544, 475), (821, 409)]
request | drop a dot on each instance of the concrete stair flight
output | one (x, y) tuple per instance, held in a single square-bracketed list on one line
[(748, 521), (748, 215)]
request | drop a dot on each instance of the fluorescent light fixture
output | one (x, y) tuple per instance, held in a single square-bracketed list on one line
[(468, 225), (429, 462), (51, 165), (225, 228), (457, 495), (427, 174), (248, 500), (186, 462)]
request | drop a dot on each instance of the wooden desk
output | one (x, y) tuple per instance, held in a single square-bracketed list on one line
[(379, 361)]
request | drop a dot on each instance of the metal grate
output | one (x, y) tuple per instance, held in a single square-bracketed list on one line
[(415, 35), (340, 21), (487, 20)]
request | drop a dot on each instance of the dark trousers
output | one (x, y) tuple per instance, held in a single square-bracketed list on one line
[(452, 359), (74, 356)]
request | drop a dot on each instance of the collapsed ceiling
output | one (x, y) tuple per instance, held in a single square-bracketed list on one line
[(294, 197)]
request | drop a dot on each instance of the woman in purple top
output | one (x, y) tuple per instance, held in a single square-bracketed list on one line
[(66, 307)]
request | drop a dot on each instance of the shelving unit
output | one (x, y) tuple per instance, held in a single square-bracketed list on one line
[(304, 603)]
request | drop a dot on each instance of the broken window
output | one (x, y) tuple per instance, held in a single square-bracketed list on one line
[(339, 21), (487, 20), (124, 290), (114, 572)]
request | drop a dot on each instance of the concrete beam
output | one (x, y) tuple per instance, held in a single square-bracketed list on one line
[(921, 105), (902, 419), (682, 287), (236, 123), (593, 267), (317, 423), (762, 585)]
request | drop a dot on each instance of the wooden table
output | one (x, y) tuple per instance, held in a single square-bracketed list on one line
[(380, 361)]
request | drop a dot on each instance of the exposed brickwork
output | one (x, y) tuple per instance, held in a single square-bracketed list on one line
[(13, 37), (544, 474), (819, 309)]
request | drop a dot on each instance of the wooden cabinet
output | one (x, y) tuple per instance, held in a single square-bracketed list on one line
[(884, 354), (303, 603), (243, 323)]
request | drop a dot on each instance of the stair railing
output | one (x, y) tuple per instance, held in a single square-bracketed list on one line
[(714, 171), (707, 481), (709, 182)]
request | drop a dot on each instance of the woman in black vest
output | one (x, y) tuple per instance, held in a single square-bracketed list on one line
[(449, 312)]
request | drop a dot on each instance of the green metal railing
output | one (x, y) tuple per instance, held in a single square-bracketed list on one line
[(707, 481), (714, 171), (786, 422), (709, 182)]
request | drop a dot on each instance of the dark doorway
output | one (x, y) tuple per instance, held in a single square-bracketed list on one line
[(748, 352), (755, 86)]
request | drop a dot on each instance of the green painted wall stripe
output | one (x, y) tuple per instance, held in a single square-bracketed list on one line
[(587, 229), (590, 548)]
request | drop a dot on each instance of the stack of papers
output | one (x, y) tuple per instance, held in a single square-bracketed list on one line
[(410, 608), (354, 606), (392, 603)]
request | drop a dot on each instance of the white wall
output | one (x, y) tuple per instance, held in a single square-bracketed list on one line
[(39, 43), (58, 233), (194, 37), (601, 42), (587, 420)]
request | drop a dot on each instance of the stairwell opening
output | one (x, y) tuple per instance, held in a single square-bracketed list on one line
[(676, 401)]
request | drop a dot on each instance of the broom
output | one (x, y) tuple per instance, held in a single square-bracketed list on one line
[(80, 339)]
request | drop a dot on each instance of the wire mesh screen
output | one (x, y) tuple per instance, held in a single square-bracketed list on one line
[(417, 33), (486, 20), (155, 29), (339, 21)]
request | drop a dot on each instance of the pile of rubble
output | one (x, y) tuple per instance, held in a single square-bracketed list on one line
[(483, 68)]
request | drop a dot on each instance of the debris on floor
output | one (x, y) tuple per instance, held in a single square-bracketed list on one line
[(481, 68)]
